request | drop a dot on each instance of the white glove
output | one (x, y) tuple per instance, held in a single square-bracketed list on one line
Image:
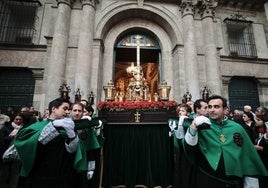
[(90, 169), (181, 120), (67, 124), (179, 133), (199, 120), (250, 182), (86, 117), (172, 125), (98, 128), (90, 174), (91, 165)]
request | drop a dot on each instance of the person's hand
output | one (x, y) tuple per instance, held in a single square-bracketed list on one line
[(181, 120), (100, 125), (179, 133), (172, 125), (90, 169), (87, 117), (98, 128), (258, 148), (200, 120), (90, 174), (67, 124)]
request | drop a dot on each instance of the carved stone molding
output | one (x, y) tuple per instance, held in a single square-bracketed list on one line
[(207, 8), (226, 80), (38, 73), (263, 81), (49, 40), (67, 2), (140, 3), (89, 2), (187, 7)]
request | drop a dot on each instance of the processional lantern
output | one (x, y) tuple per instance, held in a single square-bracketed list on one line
[(91, 98), (77, 96), (164, 91), (109, 91), (205, 93), (187, 97), (64, 91)]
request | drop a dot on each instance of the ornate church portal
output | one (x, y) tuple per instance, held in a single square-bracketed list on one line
[(137, 65)]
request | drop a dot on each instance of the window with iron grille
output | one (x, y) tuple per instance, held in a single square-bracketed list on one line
[(240, 37), (17, 20)]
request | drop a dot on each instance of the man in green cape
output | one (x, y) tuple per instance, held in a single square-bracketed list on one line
[(50, 151), (224, 154), (85, 127)]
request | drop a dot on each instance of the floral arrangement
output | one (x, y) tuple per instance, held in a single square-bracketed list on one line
[(130, 105)]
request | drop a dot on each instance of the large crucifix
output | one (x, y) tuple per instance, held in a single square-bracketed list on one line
[(138, 37), (138, 45), (137, 87)]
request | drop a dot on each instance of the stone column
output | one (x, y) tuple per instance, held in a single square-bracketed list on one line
[(57, 60), (96, 82), (190, 52), (266, 10), (213, 79), (85, 45)]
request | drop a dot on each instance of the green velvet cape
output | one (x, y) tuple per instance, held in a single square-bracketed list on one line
[(240, 160), (26, 144)]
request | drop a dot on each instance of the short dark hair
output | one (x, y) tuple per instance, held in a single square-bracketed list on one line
[(197, 104), (224, 100), (17, 114), (57, 103), (250, 115), (186, 106), (89, 109), (264, 118)]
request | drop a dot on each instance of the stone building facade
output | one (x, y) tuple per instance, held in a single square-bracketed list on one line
[(218, 44)]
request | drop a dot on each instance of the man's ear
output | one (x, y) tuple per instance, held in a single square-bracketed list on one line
[(225, 109), (53, 109)]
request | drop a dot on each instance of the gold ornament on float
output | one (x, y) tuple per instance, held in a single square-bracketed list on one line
[(109, 91)]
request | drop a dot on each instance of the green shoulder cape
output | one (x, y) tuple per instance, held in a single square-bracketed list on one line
[(239, 159), (26, 144)]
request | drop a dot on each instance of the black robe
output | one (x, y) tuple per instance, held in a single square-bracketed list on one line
[(53, 167)]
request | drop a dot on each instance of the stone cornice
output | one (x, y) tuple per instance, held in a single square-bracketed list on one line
[(243, 4)]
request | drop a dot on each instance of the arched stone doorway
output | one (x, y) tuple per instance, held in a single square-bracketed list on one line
[(126, 55), (162, 27)]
